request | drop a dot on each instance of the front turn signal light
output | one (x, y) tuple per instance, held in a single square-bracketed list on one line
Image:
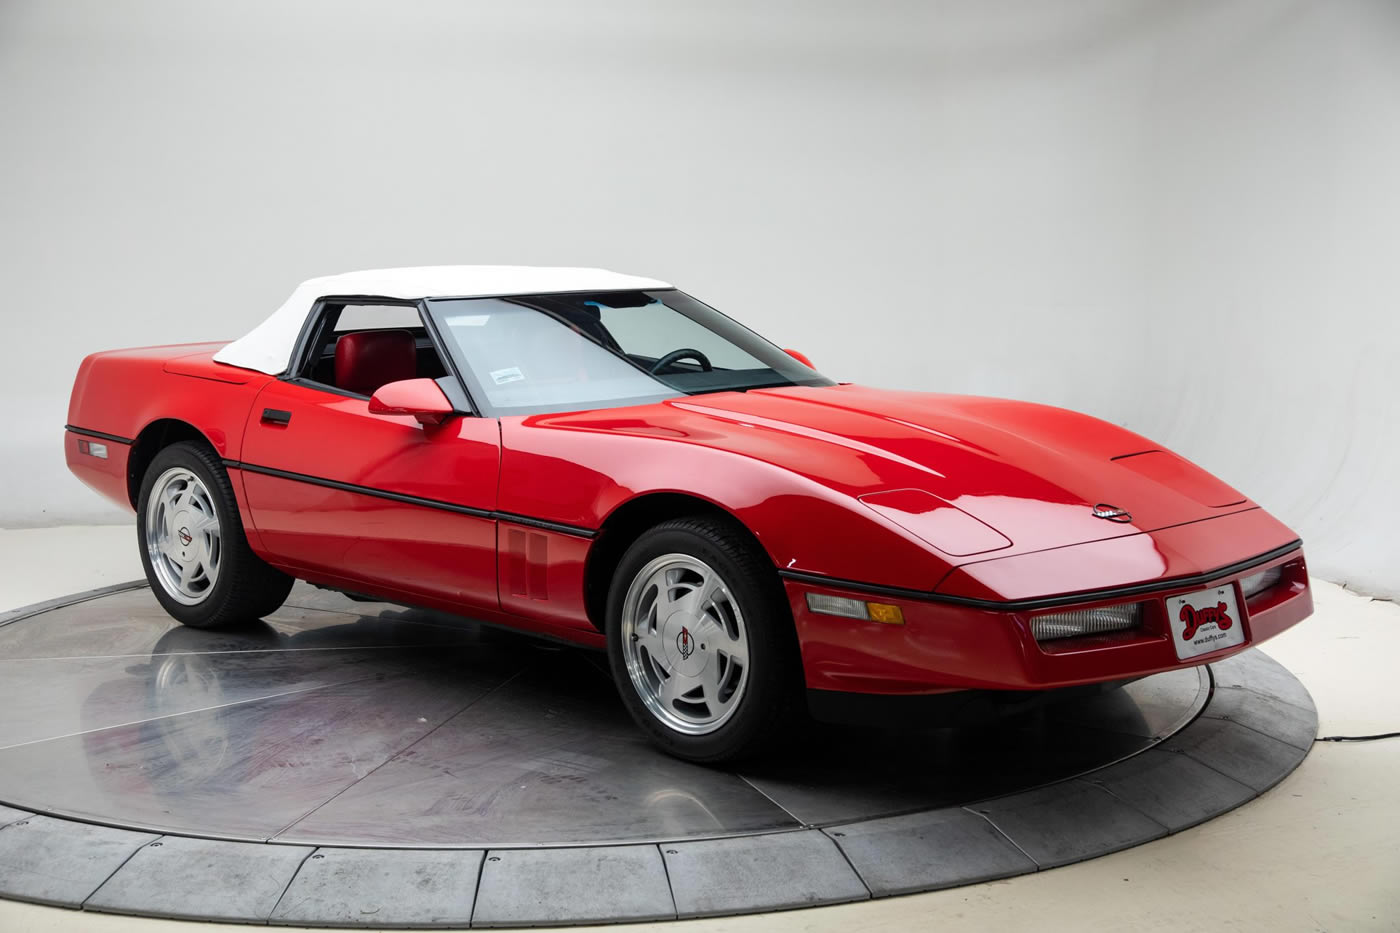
[(885, 612), (845, 607), (1079, 623), (1256, 583)]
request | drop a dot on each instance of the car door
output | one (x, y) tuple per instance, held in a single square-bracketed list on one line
[(354, 498)]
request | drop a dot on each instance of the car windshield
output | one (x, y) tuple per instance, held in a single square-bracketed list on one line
[(528, 354)]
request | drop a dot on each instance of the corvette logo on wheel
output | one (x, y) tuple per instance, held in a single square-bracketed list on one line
[(685, 644), (185, 536)]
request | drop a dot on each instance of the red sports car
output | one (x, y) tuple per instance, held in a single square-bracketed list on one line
[(604, 459)]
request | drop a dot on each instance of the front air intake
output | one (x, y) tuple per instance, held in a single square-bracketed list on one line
[(1077, 623)]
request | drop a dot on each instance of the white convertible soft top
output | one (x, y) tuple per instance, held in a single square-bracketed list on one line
[(268, 347)]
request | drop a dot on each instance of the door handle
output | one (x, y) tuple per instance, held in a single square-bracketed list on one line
[(276, 416)]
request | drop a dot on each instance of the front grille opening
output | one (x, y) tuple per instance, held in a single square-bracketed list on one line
[(1081, 623)]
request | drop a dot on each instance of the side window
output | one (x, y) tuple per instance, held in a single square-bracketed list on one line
[(357, 348), (378, 317)]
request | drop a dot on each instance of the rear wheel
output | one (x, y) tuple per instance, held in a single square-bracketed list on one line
[(700, 641), (193, 548)]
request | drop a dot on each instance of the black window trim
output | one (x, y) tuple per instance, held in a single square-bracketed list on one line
[(453, 385)]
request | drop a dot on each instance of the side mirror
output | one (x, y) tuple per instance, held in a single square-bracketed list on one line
[(800, 357), (421, 398)]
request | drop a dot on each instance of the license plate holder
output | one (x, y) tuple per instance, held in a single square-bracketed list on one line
[(1205, 621)]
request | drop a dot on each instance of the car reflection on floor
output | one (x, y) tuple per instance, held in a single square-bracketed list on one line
[(346, 723)]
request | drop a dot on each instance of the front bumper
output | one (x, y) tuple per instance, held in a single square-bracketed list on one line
[(946, 645)]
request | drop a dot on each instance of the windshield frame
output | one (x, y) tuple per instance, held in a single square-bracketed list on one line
[(726, 328)]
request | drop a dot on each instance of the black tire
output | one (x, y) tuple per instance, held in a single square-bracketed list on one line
[(772, 700), (246, 587)]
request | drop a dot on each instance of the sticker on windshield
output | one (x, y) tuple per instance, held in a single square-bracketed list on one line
[(468, 320), (509, 374)]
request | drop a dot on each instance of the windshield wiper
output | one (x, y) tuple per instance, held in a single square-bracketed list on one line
[(708, 390)]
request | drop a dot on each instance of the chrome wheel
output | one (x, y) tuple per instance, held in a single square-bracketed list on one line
[(685, 644), (182, 536)]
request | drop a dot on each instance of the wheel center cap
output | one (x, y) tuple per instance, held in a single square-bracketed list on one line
[(684, 651), (184, 538)]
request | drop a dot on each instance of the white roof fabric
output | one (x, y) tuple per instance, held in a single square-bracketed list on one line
[(268, 347)]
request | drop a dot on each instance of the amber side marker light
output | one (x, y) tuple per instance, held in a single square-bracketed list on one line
[(847, 608)]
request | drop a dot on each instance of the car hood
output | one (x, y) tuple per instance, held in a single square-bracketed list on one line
[(967, 475)]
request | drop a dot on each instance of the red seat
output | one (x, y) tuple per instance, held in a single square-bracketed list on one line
[(368, 359)]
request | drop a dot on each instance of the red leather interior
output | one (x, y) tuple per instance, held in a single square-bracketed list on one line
[(366, 360)]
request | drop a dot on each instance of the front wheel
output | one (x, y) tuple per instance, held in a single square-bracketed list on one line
[(196, 557), (700, 641)]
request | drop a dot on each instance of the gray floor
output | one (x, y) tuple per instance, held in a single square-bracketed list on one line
[(356, 764), (347, 724)]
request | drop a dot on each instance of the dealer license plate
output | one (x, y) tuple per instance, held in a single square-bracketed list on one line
[(1205, 621)]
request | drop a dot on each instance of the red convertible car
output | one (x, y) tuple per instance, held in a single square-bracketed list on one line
[(604, 459)]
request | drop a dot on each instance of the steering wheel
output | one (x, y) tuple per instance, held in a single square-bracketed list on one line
[(683, 353)]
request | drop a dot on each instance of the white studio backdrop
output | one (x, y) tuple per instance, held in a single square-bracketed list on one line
[(1183, 217)]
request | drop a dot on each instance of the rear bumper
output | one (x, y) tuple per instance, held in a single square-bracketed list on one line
[(948, 645)]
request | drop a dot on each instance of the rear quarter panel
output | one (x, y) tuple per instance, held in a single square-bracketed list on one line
[(123, 392)]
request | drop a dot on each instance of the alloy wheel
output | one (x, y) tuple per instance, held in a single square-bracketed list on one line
[(182, 536), (685, 644)]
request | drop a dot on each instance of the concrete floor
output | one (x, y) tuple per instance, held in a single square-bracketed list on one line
[(1319, 852)]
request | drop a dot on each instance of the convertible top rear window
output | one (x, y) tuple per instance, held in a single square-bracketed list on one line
[(530, 354)]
